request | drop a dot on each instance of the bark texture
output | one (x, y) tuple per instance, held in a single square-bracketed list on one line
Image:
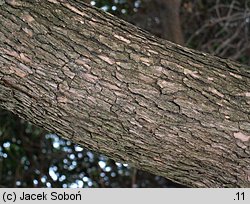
[(116, 89)]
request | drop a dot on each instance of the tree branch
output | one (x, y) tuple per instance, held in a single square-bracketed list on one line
[(113, 88)]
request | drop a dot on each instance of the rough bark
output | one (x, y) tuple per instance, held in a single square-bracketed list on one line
[(113, 88)]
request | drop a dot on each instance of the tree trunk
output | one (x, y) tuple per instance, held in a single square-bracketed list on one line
[(113, 88), (170, 20)]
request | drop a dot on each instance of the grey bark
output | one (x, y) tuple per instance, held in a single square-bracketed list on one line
[(113, 88)]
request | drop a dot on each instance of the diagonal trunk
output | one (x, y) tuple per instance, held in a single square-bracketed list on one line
[(116, 89)]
